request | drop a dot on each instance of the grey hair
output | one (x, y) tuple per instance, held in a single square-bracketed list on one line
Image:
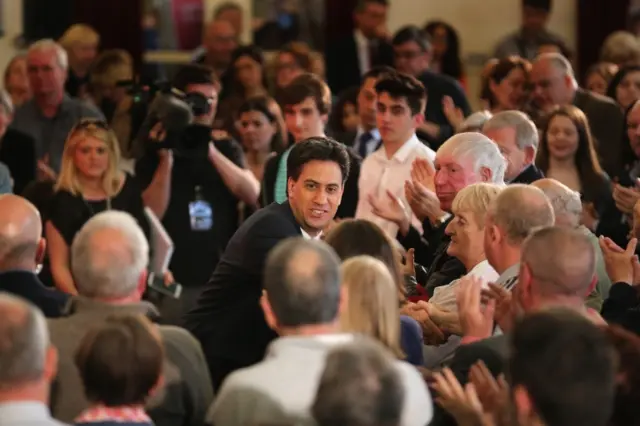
[(560, 62), (566, 203), (526, 131), (360, 386), (475, 121), (478, 148), (109, 270), (47, 45), (24, 340)]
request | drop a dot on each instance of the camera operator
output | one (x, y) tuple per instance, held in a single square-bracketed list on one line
[(196, 196)]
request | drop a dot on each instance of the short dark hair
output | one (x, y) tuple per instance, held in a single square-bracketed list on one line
[(567, 366), (544, 5), (317, 149), (194, 74), (306, 86), (362, 4), (412, 33), (303, 295), (399, 85), (378, 71), (120, 361), (360, 386)]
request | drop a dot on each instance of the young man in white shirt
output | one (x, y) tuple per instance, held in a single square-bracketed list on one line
[(400, 110)]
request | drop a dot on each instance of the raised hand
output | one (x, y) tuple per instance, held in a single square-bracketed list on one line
[(503, 314), (461, 402), (390, 208), (492, 393), (422, 171), (454, 115), (423, 202), (475, 321), (619, 265)]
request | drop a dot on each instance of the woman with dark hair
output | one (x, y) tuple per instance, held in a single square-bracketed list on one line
[(625, 86), (506, 85), (567, 154), (446, 50), (247, 79), (344, 118), (599, 76), (354, 237)]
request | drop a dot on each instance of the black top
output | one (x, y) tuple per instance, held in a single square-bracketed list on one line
[(75, 83), (26, 284), (529, 175), (623, 307), (196, 252), (68, 213), (227, 319), (349, 203), (18, 152)]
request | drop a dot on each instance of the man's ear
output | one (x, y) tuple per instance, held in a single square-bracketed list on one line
[(269, 317), (418, 119), (486, 174), (51, 364), (325, 119), (290, 184), (142, 282), (41, 251), (529, 155)]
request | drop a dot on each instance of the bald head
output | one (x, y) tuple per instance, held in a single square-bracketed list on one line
[(302, 280), (566, 202), (561, 262), (519, 210), (20, 233)]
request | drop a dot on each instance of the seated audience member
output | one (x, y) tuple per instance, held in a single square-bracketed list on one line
[(505, 86), (625, 86), (532, 33), (568, 212), (51, 114), (359, 386), (29, 364), (517, 137), (89, 183), (627, 345), (344, 118), (306, 103), (599, 76), (400, 105), (556, 355), (195, 193), (81, 43), (16, 80), (554, 84), (366, 138), (372, 308), (446, 57), (412, 56), (351, 238), (302, 303), (120, 366), (464, 159), (109, 257), (227, 319), (22, 250), (17, 155), (567, 154)]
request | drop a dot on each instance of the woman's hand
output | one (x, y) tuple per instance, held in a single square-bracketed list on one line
[(625, 198)]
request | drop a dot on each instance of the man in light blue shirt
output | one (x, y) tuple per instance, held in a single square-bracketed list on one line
[(29, 364)]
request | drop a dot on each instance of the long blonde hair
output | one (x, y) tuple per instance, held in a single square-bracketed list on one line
[(112, 178), (372, 302)]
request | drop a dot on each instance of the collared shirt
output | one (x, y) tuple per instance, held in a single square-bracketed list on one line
[(445, 296), (362, 47), (372, 144), (306, 235), (380, 174), (50, 134), (17, 413), (509, 278)]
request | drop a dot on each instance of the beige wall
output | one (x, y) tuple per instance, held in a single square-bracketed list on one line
[(12, 17)]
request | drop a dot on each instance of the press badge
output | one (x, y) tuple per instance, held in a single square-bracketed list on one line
[(200, 214)]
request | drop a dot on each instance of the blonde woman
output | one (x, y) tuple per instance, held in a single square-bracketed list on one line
[(90, 182), (81, 43), (372, 306)]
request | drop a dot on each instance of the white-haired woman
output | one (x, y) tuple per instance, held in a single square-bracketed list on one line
[(90, 182), (81, 43)]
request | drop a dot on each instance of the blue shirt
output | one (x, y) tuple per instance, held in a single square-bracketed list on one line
[(411, 340)]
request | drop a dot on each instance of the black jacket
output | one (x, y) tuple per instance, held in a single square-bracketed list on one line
[(529, 175), (18, 152), (26, 284), (622, 307)]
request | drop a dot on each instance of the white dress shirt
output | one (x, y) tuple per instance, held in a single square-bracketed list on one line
[(372, 143), (26, 413), (362, 47), (380, 174)]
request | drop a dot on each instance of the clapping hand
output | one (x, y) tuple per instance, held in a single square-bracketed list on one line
[(454, 115), (492, 393), (392, 209), (424, 203), (503, 314), (475, 321), (462, 403), (422, 171), (620, 264), (44, 171), (625, 198)]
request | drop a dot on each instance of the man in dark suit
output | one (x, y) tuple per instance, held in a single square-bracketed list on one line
[(350, 58), (306, 103), (556, 269), (412, 51), (22, 248), (517, 137), (555, 84), (227, 319)]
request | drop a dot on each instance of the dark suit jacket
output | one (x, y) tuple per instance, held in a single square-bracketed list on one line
[(26, 284), (607, 126), (623, 307), (492, 351), (438, 86), (18, 152), (227, 318), (349, 202), (343, 64), (529, 175)]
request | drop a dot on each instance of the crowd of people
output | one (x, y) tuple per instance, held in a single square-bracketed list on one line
[(353, 245)]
